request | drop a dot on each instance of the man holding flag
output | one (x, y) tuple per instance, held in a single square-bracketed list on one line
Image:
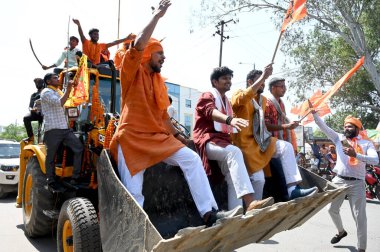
[(276, 120), (353, 153)]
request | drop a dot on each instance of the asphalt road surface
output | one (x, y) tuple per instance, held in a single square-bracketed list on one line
[(314, 235)]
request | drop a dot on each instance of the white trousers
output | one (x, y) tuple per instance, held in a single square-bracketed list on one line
[(192, 168), (231, 163), (357, 199), (285, 152), (258, 182)]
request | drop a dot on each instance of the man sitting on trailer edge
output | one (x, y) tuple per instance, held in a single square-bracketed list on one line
[(145, 135)]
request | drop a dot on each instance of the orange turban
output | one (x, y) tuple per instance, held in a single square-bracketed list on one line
[(160, 90), (353, 120)]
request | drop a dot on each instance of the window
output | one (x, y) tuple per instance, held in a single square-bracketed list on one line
[(188, 122), (188, 103)]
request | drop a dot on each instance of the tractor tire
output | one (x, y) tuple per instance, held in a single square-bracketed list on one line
[(78, 227), (35, 199)]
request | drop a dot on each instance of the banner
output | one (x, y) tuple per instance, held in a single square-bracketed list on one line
[(80, 93), (296, 11)]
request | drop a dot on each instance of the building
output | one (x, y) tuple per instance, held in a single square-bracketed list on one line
[(184, 101)]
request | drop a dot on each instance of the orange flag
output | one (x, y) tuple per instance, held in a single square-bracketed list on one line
[(319, 101), (296, 11), (80, 94)]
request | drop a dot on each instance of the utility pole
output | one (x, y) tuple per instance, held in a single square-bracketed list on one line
[(220, 32)]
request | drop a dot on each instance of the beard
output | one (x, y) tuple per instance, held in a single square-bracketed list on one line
[(260, 91), (350, 134), (155, 68)]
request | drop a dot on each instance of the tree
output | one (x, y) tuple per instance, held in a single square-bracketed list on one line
[(13, 132), (333, 36)]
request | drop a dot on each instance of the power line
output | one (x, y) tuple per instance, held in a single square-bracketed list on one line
[(220, 32)]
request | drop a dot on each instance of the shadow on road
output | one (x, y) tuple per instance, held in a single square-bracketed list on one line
[(42, 244), (11, 197), (350, 248), (376, 202)]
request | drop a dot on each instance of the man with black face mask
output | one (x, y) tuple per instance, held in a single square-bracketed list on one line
[(34, 110), (353, 152)]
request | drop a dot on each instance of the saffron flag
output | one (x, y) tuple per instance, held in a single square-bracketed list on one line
[(321, 100), (80, 93), (296, 11)]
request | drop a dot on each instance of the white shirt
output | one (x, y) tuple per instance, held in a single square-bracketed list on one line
[(342, 167), (172, 112), (72, 60), (54, 113)]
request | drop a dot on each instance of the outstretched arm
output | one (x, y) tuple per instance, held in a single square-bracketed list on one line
[(144, 36), (129, 37), (237, 123), (80, 31)]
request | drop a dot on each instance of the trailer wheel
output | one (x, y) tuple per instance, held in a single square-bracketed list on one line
[(78, 227), (35, 199)]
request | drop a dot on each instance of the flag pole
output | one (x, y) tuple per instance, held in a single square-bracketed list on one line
[(67, 54), (118, 24), (278, 43)]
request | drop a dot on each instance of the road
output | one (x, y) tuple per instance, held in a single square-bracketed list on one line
[(313, 236)]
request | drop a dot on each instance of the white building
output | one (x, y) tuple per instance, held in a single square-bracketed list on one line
[(184, 101)]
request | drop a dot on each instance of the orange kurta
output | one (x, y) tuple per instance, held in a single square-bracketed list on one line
[(119, 57), (93, 50), (141, 133), (254, 158)]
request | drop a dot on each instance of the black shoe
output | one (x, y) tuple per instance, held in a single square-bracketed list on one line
[(216, 215), (338, 237)]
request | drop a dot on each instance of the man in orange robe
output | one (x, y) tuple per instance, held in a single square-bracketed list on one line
[(257, 144), (120, 54), (145, 135), (92, 48)]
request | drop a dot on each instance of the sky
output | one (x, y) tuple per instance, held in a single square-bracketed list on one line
[(190, 56)]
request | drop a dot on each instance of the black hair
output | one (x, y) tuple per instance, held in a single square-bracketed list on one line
[(74, 38), (93, 30), (252, 74), (220, 71), (48, 77)]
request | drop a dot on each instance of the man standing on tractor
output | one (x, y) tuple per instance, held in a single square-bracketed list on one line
[(56, 128), (145, 135), (92, 48)]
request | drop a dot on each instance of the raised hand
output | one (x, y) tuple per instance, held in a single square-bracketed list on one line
[(162, 8)]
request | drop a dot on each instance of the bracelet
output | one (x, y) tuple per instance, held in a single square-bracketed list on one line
[(176, 134), (229, 119)]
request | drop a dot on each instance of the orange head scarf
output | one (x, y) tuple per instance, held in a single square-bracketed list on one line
[(160, 90), (353, 120)]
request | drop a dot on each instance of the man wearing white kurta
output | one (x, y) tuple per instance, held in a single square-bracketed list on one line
[(353, 153)]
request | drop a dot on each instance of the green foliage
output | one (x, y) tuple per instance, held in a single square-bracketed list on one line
[(13, 132), (324, 47), (319, 134)]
